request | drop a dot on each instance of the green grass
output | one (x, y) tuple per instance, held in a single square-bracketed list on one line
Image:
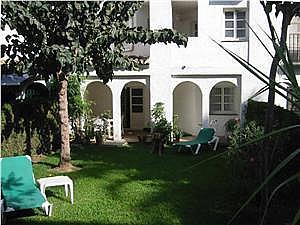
[(128, 185)]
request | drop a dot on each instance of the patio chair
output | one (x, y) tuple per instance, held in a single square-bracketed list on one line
[(205, 136), (18, 186)]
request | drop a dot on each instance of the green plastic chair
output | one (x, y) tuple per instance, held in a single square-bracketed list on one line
[(18, 186), (205, 136)]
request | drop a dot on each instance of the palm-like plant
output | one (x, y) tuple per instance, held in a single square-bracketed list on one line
[(282, 60)]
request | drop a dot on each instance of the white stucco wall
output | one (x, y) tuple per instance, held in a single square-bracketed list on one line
[(100, 97), (187, 104)]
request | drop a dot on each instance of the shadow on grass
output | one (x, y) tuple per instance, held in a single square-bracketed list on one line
[(194, 197), (130, 185)]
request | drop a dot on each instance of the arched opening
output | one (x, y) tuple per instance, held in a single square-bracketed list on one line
[(100, 97), (224, 102), (135, 106), (187, 104), (224, 99)]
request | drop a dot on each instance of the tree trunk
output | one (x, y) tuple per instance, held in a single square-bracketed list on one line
[(269, 116), (158, 144), (65, 157)]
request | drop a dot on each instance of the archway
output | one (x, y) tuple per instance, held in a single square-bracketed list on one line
[(224, 99), (187, 104), (100, 97), (224, 104), (135, 106)]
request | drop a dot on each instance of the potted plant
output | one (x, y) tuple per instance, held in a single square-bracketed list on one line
[(101, 125)]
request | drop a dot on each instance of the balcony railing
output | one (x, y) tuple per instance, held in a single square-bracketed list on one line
[(294, 47)]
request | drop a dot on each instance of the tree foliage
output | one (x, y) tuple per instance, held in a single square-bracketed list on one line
[(59, 38), (75, 36)]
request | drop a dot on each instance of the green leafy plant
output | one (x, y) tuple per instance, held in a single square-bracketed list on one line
[(64, 38), (160, 124), (101, 126), (176, 130), (282, 60), (231, 125), (245, 161)]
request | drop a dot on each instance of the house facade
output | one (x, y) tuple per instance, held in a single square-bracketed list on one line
[(201, 83)]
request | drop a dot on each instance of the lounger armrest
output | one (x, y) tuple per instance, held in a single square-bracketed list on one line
[(213, 139), (216, 140)]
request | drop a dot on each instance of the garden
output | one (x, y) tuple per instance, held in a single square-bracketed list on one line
[(129, 185), (252, 179)]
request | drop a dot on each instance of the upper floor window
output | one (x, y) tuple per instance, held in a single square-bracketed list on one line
[(294, 39), (235, 24), (223, 99), (185, 17)]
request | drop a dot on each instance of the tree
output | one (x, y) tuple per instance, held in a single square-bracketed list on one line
[(56, 39), (281, 59), (288, 11)]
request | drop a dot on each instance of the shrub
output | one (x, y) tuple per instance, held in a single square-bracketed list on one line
[(160, 124), (231, 125), (177, 132), (16, 144), (256, 111), (249, 162), (30, 122), (7, 121), (245, 160), (288, 141)]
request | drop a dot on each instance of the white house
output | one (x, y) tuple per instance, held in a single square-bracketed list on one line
[(201, 83)]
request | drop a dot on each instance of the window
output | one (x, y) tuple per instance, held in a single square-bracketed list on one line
[(222, 100), (137, 99), (235, 24), (294, 46), (185, 17)]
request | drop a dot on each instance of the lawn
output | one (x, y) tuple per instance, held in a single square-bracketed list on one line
[(128, 185)]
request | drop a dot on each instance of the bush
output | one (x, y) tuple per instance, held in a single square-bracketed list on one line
[(250, 161), (177, 131), (33, 123), (287, 142), (256, 111), (16, 144), (245, 161), (160, 124)]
